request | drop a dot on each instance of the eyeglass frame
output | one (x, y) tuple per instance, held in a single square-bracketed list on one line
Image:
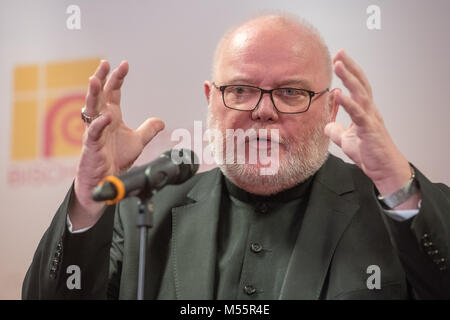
[(263, 91)]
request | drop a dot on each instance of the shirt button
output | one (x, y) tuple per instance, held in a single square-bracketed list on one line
[(256, 247), (439, 260), (249, 289), (428, 244)]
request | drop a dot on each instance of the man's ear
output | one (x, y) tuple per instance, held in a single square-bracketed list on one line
[(207, 87), (332, 104)]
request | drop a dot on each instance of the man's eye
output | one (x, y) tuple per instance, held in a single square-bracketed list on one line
[(239, 90), (290, 92)]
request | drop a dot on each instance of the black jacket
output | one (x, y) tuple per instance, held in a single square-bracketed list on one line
[(344, 231)]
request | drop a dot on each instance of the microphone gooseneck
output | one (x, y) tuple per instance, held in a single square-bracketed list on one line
[(172, 167)]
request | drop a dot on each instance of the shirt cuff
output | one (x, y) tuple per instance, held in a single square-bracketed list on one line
[(69, 227), (403, 215)]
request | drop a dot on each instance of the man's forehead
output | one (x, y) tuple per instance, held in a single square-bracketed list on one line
[(273, 47), (250, 58), (269, 40)]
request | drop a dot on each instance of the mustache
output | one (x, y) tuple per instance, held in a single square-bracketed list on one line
[(257, 134), (272, 134)]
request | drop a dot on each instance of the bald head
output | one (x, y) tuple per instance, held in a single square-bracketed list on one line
[(273, 33)]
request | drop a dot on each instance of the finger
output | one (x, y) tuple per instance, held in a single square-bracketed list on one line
[(96, 127), (96, 83), (335, 131), (149, 129), (354, 110), (102, 71), (357, 91), (93, 97), (353, 68), (114, 83)]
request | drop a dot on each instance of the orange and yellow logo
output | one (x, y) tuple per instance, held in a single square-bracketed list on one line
[(47, 101)]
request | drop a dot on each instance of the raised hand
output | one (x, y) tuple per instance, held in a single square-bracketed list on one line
[(109, 146), (366, 141)]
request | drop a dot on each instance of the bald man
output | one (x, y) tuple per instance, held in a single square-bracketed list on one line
[(315, 228)]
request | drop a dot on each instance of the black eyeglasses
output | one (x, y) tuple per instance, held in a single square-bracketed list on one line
[(285, 100)]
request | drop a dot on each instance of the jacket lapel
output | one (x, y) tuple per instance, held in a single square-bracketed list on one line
[(330, 209), (194, 235)]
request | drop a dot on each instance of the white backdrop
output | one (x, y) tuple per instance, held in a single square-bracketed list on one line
[(169, 45)]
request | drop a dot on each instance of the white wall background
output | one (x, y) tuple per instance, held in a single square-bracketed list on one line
[(169, 45)]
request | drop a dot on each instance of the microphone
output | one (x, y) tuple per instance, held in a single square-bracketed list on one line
[(172, 167)]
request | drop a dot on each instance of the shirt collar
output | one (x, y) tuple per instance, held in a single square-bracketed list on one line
[(297, 192)]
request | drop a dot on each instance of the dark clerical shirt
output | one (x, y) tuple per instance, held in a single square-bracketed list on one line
[(256, 237)]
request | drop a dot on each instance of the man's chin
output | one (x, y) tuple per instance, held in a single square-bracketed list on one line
[(254, 178)]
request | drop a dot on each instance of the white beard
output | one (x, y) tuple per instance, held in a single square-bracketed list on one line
[(302, 160)]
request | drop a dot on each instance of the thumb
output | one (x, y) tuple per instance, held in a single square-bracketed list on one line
[(335, 131), (149, 129)]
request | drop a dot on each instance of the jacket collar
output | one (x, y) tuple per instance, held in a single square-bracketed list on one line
[(331, 206), (194, 234)]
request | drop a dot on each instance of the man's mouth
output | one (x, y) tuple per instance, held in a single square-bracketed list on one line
[(263, 142)]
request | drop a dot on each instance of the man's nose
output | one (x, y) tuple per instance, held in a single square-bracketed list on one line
[(265, 110)]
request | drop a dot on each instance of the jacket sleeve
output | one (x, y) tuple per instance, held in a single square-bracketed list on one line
[(423, 242), (74, 266)]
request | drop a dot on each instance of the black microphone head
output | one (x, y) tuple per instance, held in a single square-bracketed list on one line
[(187, 162), (103, 192)]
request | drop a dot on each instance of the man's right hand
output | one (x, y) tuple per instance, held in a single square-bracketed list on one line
[(109, 146)]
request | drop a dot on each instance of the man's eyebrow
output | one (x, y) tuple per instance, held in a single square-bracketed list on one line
[(239, 80), (297, 83)]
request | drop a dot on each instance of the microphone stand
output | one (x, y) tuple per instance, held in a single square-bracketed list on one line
[(144, 222), (158, 173)]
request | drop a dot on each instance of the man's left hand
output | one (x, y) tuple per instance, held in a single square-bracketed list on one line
[(366, 141)]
